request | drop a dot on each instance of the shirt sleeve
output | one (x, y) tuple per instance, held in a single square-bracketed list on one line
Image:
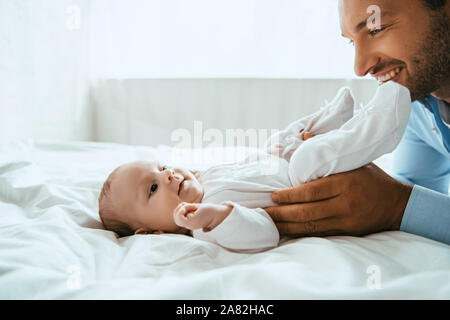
[(427, 214), (417, 163), (244, 229)]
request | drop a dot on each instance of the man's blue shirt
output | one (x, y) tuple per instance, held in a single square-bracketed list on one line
[(422, 160)]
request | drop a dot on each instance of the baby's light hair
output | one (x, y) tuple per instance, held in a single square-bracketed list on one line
[(108, 210)]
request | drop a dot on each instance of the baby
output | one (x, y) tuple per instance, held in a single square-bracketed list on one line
[(223, 204)]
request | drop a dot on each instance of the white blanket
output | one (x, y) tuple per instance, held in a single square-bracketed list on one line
[(52, 244)]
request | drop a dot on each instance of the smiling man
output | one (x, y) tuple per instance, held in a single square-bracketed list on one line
[(411, 46)]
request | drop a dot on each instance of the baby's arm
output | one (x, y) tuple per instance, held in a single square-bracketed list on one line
[(205, 216), (240, 228)]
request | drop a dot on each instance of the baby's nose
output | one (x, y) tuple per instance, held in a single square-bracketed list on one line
[(170, 173), (173, 175)]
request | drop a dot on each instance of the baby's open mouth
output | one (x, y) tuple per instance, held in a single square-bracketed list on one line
[(180, 186)]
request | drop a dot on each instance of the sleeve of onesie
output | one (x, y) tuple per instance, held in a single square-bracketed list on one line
[(244, 229)]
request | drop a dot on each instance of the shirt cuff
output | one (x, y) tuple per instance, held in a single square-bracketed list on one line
[(427, 214)]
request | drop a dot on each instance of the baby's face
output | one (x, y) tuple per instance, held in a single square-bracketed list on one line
[(148, 192)]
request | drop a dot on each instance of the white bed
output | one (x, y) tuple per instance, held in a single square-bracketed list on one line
[(53, 246)]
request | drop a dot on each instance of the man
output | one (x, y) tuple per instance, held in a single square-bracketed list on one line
[(412, 47)]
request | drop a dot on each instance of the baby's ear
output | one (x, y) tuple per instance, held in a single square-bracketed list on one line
[(141, 231)]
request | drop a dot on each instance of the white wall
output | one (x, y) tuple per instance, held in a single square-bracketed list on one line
[(51, 58), (44, 70)]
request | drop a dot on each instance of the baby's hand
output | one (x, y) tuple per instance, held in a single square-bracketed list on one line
[(204, 216)]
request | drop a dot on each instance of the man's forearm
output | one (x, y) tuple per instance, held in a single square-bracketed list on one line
[(427, 214)]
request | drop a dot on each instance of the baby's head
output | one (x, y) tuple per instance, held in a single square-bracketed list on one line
[(139, 197)]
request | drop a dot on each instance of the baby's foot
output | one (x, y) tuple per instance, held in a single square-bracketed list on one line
[(306, 135)]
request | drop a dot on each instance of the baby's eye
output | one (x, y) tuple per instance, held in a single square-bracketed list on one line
[(164, 168), (153, 188)]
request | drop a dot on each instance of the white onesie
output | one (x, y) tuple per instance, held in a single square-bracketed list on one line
[(340, 143)]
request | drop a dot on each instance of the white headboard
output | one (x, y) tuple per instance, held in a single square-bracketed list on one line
[(147, 111)]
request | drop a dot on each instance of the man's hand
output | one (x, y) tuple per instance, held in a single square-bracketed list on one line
[(358, 202), (204, 216)]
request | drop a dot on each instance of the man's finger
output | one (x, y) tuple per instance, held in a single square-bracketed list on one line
[(301, 212), (316, 228), (315, 190)]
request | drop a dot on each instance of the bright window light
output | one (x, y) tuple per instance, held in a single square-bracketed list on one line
[(218, 39)]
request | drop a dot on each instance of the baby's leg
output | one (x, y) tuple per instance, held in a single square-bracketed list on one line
[(330, 117), (374, 131)]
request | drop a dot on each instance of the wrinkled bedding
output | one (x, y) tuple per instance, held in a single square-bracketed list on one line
[(53, 246)]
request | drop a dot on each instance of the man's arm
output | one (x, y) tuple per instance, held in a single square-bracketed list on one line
[(416, 162), (368, 200)]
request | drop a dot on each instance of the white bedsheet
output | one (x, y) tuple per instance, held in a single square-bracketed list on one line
[(52, 244)]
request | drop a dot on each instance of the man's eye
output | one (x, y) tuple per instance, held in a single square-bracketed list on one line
[(373, 33), (153, 188)]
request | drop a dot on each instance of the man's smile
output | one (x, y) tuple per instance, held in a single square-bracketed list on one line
[(385, 76)]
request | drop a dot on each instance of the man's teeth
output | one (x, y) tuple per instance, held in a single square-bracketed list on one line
[(388, 75)]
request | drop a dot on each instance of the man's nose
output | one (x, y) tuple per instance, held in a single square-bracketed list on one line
[(365, 61)]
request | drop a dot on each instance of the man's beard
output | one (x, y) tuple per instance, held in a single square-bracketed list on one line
[(432, 60)]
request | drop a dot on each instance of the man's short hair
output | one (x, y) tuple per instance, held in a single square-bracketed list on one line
[(434, 4)]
